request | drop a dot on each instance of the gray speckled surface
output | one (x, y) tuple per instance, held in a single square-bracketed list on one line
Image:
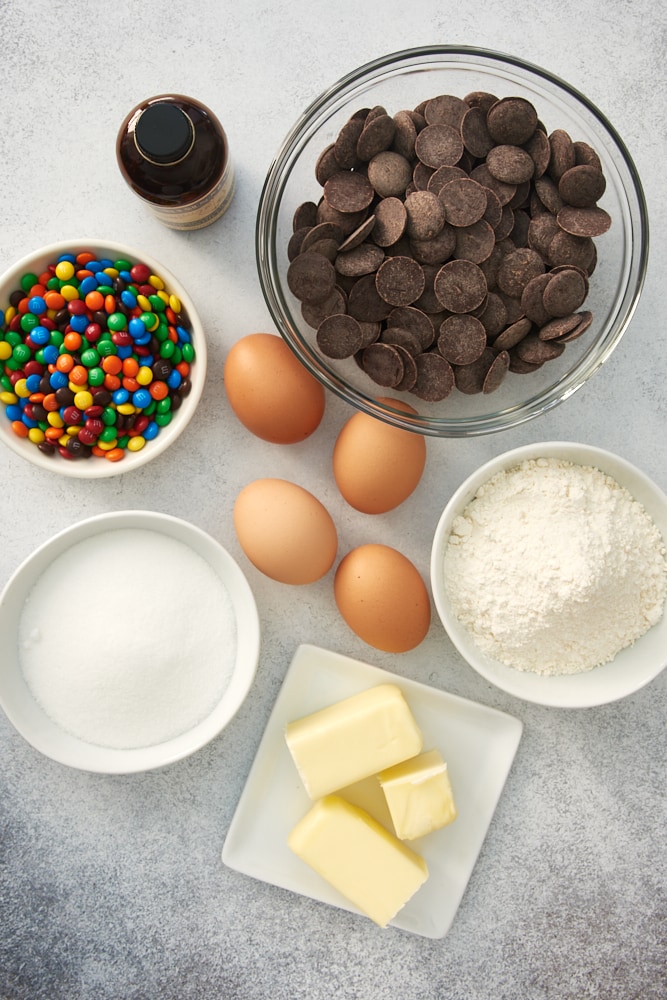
[(112, 888)]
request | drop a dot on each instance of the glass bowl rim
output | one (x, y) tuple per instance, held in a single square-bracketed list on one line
[(516, 413)]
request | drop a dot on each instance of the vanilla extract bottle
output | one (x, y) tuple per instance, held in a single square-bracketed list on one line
[(173, 153)]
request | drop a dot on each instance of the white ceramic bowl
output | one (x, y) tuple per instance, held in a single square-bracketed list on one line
[(95, 467), (42, 732), (633, 667)]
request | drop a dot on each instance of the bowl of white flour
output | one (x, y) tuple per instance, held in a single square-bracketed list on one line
[(130, 640), (549, 574)]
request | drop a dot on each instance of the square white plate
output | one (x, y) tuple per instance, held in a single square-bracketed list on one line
[(478, 743)]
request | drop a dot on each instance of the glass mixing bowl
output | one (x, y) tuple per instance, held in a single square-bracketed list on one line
[(403, 80)]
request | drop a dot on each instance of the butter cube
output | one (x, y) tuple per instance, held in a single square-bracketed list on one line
[(352, 739), (356, 855), (419, 795)]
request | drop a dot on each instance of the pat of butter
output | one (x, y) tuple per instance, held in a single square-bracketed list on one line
[(353, 739), (419, 795), (356, 855)]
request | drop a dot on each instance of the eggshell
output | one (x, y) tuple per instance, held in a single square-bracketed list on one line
[(383, 598), (285, 531), (377, 466), (270, 391)]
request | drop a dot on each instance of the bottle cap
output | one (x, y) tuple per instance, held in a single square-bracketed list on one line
[(164, 133)]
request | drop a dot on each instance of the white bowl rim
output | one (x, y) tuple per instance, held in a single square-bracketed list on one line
[(604, 684), (94, 468), (32, 723)]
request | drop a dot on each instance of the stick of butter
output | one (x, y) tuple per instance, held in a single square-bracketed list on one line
[(358, 857), (353, 739), (419, 795)]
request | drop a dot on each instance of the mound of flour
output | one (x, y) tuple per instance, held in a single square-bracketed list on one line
[(554, 568)]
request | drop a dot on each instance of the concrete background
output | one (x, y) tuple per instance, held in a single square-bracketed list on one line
[(112, 888)]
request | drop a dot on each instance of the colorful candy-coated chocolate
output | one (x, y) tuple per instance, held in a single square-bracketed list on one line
[(94, 357)]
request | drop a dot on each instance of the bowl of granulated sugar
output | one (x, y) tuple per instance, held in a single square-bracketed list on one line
[(549, 574), (130, 640)]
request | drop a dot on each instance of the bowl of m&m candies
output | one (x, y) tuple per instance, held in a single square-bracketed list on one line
[(102, 358)]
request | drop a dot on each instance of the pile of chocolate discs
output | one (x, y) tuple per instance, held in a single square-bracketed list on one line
[(452, 243)]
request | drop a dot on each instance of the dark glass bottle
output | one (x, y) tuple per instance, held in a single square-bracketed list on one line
[(173, 153)]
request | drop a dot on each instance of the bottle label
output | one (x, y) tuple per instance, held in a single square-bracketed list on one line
[(205, 210)]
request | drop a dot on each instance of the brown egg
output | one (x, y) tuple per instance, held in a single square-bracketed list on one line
[(285, 531), (375, 465), (382, 597), (270, 391)]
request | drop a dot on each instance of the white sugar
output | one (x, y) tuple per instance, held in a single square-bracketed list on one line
[(128, 639)]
